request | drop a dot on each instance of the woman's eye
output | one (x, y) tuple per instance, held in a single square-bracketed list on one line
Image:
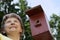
[(8, 21), (15, 21)]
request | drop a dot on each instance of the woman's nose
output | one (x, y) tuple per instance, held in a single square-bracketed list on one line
[(12, 23)]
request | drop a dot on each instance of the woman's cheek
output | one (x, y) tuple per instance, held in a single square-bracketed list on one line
[(7, 24)]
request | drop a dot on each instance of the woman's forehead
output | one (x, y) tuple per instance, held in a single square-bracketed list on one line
[(12, 18)]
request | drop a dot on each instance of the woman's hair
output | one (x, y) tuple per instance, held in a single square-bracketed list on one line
[(14, 15)]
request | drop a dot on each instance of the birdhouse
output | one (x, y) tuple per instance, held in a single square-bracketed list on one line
[(39, 24)]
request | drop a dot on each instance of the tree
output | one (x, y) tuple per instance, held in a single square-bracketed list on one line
[(55, 24), (7, 7), (24, 7)]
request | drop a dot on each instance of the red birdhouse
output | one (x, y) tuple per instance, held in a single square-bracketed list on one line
[(38, 23)]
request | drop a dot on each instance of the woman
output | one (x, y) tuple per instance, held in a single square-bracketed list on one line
[(12, 26)]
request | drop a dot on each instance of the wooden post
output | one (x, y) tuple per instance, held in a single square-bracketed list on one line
[(38, 23)]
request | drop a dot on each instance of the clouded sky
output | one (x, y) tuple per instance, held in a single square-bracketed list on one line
[(49, 6)]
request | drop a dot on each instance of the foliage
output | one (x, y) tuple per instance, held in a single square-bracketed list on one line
[(24, 7), (55, 24)]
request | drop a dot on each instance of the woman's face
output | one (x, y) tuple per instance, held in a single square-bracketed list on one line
[(12, 25)]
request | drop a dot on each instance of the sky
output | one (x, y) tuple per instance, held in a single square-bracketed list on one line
[(49, 6)]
